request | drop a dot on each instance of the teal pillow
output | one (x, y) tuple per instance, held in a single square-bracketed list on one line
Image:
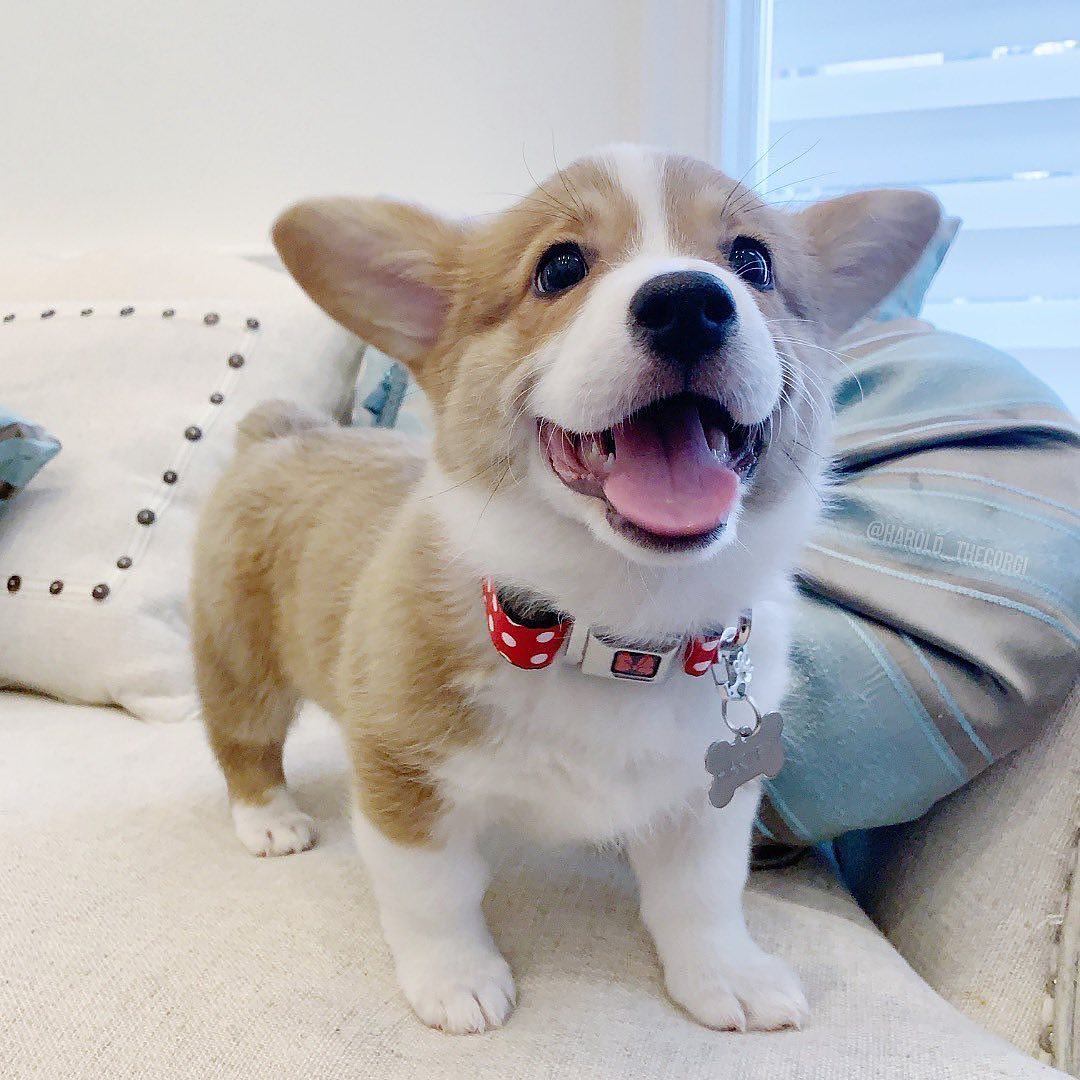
[(388, 397), (24, 449), (907, 299)]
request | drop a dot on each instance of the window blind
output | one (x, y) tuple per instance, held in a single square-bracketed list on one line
[(976, 100)]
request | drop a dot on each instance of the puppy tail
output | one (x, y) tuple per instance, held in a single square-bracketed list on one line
[(274, 420)]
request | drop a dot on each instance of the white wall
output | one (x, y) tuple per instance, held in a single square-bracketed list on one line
[(194, 121)]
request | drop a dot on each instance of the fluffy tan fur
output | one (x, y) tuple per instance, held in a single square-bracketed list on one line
[(344, 566), (308, 579), (290, 602)]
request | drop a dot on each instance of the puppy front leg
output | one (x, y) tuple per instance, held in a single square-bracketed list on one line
[(691, 875), (429, 900)]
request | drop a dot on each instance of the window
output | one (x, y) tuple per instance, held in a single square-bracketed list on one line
[(977, 100)]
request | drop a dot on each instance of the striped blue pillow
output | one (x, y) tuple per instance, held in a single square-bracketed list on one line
[(938, 618)]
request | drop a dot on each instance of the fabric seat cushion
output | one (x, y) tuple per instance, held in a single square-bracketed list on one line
[(139, 939)]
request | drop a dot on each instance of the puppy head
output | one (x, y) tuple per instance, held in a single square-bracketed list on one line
[(640, 346)]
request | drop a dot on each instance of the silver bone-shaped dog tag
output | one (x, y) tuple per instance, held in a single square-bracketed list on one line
[(760, 753)]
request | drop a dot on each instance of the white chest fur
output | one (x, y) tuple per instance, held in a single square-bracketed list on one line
[(572, 757)]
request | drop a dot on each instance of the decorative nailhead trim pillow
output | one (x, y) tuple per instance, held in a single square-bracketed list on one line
[(146, 397), (148, 515)]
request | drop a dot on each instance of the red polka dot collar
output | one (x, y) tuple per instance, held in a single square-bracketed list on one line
[(537, 646)]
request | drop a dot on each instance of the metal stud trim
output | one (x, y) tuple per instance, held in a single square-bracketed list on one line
[(193, 433)]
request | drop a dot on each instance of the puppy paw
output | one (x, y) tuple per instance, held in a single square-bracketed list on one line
[(276, 828), (756, 992), (467, 997)]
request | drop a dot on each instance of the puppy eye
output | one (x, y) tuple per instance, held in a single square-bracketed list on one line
[(752, 262), (560, 268)]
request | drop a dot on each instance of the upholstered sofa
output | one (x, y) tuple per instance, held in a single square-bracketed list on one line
[(138, 939)]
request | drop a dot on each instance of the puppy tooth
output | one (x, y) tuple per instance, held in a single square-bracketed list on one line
[(592, 453), (717, 441)]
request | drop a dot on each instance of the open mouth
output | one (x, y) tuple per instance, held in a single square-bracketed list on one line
[(669, 473)]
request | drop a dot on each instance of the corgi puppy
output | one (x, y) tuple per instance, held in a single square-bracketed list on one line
[(630, 373)]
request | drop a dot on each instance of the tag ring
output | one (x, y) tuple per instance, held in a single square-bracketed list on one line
[(743, 730), (735, 637)]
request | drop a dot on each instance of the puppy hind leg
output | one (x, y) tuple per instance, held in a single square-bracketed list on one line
[(247, 711)]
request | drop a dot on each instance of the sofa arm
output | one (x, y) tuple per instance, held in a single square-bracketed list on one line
[(982, 896)]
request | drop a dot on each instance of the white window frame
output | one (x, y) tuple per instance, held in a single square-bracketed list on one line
[(713, 103)]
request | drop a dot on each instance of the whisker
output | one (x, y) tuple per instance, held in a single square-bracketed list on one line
[(810, 450), (740, 182), (798, 468), (543, 192), (795, 183), (816, 397), (754, 192), (461, 483), (494, 492), (567, 184), (835, 356)]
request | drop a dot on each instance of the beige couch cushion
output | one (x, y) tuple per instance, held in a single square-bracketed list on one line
[(978, 891), (140, 940)]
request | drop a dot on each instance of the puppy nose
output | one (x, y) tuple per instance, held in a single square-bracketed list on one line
[(684, 316)]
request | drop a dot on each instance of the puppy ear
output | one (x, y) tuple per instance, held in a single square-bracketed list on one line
[(381, 268), (863, 245)]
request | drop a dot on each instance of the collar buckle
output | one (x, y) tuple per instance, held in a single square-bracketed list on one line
[(598, 654)]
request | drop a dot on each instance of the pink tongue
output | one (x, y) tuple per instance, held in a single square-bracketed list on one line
[(665, 478)]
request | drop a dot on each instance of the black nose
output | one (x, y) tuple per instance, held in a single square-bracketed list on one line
[(684, 316)]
